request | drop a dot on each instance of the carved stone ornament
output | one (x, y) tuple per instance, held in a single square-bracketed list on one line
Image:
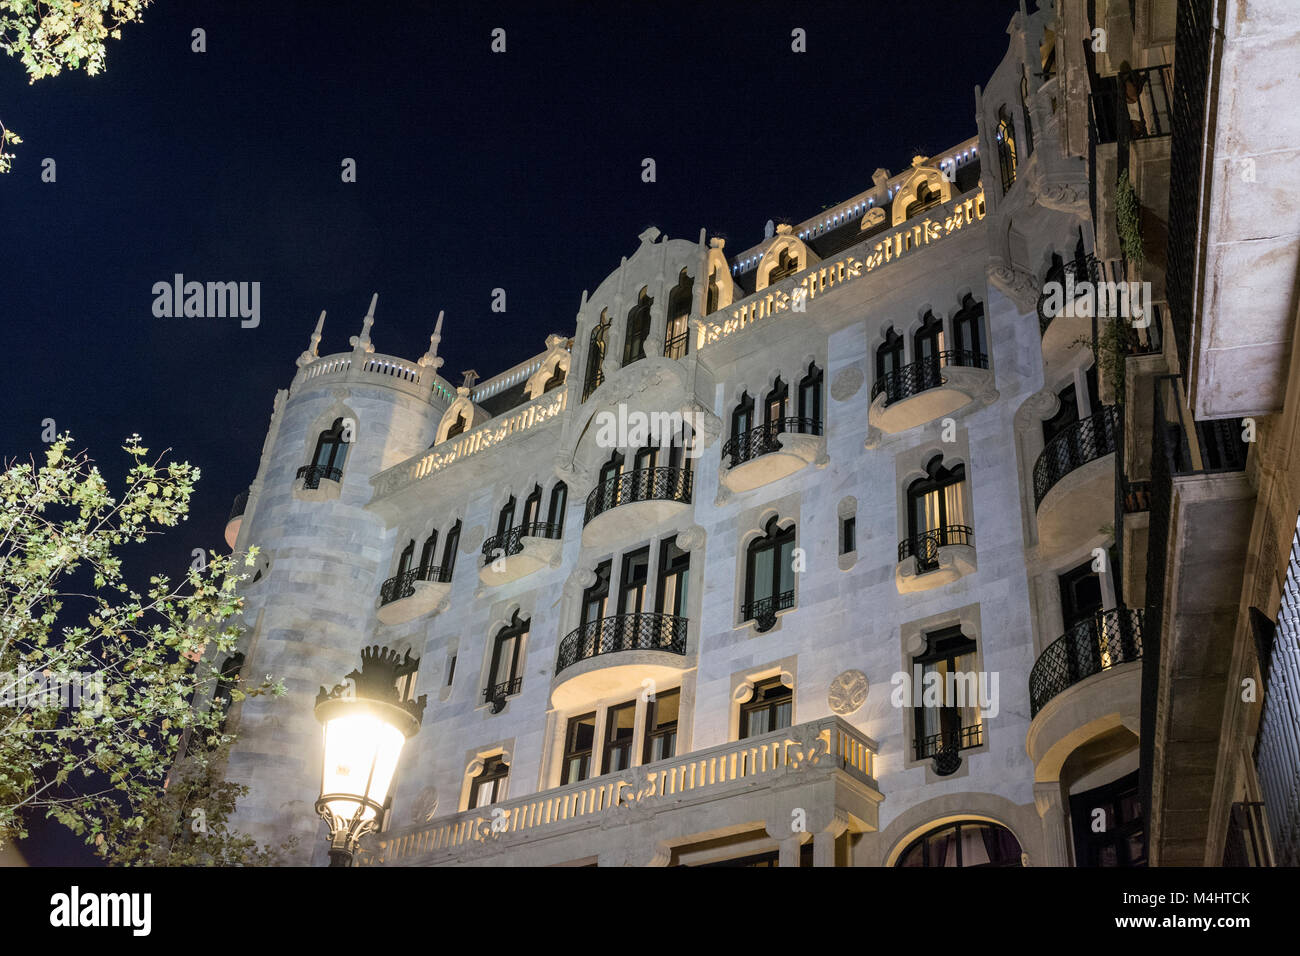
[(848, 692), (426, 805), (848, 382)]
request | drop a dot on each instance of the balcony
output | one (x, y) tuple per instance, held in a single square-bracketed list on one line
[(770, 452), (945, 747), (935, 558), (413, 593), (236, 519), (765, 611), (317, 483), (520, 551), (1064, 315), (929, 389), (1136, 104), (825, 766), (1107, 640), (613, 655), (1074, 480), (647, 497), (496, 694)]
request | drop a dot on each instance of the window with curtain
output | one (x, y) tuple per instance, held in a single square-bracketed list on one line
[(769, 575), (579, 741), (677, 332), (674, 572), (775, 404), (968, 843), (505, 674), (595, 597), (638, 329), (771, 708), (620, 722), (936, 511), (489, 784), (661, 725), (632, 582), (954, 723)]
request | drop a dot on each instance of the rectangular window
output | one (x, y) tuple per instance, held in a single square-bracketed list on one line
[(490, 784), (849, 535), (661, 726), (632, 585), (769, 709), (620, 721), (579, 739), (955, 723), (674, 572)]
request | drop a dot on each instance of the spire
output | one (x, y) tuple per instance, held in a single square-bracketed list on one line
[(362, 342), (430, 358), (313, 350)]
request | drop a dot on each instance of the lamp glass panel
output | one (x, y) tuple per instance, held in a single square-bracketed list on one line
[(354, 743)]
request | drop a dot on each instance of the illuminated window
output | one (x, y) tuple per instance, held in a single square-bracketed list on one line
[(936, 512), (769, 575), (579, 739), (677, 333), (620, 722), (771, 708), (786, 265), (948, 720), (489, 785), (661, 726), (1006, 143), (970, 843)]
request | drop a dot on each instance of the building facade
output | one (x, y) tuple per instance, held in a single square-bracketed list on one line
[(830, 551)]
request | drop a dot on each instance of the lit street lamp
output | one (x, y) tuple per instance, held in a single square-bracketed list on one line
[(366, 721)]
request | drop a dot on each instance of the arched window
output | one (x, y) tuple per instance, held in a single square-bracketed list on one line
[(769, 575), (595, 597), (948, 720), (449, 551), (428, 554), (404, 562), (556, 379), (1024, 109), (926, 198), (810, 401), (968, 332), (532, 508), (786, 265), (489, 785), (555, 513), (505, 676), (928, 341), (968, 843), (889, 355), (457, 428), (677, 333), (331, 452), (742, 419), (711, 298), (774, 406), (506, 519), (936, 512), (1006, 143), (596, 355), (638, 328)]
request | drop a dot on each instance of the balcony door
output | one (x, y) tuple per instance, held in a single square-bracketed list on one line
[(936, 504), (1121, 841), (620, 723), (954, 723)]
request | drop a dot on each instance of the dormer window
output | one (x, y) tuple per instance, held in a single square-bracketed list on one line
[(786, 266), (638, 329), (457, 428)]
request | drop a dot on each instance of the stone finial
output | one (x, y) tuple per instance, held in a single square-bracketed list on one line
[(768, 229), (717, 243), (880, 176), (362, 342), (430, 358), (784, 229), (471, 377), (919, 160), (313, 350), (649, 236), (554, 341)]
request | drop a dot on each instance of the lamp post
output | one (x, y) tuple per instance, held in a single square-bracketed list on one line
[(366, 722)]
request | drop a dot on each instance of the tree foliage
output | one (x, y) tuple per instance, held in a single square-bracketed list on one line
[(48, 36), (99, 684)]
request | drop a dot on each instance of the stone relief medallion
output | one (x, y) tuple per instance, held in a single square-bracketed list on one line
[(848, 381), (848, 693), (426, 805)]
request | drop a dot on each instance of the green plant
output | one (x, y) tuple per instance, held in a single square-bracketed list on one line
[(1128, 218)]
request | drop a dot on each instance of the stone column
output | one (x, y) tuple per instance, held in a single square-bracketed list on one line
[(1056, 842)]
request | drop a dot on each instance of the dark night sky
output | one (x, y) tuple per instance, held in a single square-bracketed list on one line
[(475, 171)]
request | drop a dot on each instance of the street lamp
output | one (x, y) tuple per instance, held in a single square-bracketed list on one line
[(366, 721)]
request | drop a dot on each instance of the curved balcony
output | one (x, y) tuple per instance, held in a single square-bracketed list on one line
[(317, 483), (1074, 480), (935, 558), (613, 655), (236, 519), (929, 388), (1108, 639), (1066, 306), (520, 551), (407, 596), (770, 452), (647, 496)]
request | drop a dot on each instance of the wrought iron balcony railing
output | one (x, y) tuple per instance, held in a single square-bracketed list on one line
[(676, 346), (642, 484), (924, 374), (502, 690), (1136, 104), (759, 441), (641, 631), (1079, 443), (311, 475), (1105, 640), (1065, 285), (946, 746), (511, 542), (763, 611), (925, 547), (403, 585)]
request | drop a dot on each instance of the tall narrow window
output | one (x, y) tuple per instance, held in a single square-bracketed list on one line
[(506, 519), (1006, 143), (428, 554), (532, 508), (555, 514), (810, 401), (407, 556), (769, 575), (769, 709), (457, 427), (953, 723), (596, 355), (449, 551), (1024, 109), (661, 726), (638, 328), (677, 333), (620, 722), (674, 572), (595, 597), (928, 344), (711, 299), (968, 332), (936, 512), (489, 785), (889, 359), (331, 451), (849, 534), (505, 677), (742, 419), (775, 404), (632, 582), (1080, 594), (556, 379), (579, 739), (227, 681)]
